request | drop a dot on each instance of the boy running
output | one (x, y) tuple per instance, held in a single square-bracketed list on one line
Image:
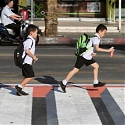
[(29, 51), (87, 58)]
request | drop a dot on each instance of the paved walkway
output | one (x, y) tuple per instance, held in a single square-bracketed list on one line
[(69, 31), (47, 105), (81, 26)]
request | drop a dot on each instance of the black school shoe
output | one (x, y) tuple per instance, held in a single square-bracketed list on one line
[(63, 87), (100, 84), (18, 88), (20, 92)]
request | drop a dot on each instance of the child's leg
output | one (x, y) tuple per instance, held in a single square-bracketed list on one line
[(71, 74), (25, 81), (68, 77), (79, 63), (96, 83), (21, 86), (28, 73), (95, 71)]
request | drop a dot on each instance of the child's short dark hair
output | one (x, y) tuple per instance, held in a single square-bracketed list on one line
[(100, 27), (31, 28)]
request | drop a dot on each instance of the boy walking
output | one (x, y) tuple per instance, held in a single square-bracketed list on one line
[(87, 58), (29, 51)]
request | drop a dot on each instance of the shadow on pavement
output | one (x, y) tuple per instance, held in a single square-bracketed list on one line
[(48, 80), (12, 90), (81, 87)]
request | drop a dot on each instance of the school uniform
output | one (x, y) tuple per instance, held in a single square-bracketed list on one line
[(27, 69), (86, 57)]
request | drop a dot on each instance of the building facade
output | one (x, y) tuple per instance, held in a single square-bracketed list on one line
[(75, 8), (80, 8)]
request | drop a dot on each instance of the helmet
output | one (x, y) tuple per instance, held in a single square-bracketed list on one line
[(7, 1)]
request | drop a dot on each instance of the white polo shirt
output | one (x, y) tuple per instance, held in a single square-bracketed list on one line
[(28, 45), (5, 16), (93, 41)]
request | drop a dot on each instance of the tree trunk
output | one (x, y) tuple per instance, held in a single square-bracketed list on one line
[(51, 18)]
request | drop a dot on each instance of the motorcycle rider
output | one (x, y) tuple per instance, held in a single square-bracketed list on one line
[(8, 17)]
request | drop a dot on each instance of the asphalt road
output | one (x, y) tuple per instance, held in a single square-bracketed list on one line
[(56, 61)]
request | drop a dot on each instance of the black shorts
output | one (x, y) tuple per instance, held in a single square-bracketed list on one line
[(27, 71), (81, 61)]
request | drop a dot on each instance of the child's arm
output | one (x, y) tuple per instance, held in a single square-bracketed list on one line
[(31, 55), (103, 50)]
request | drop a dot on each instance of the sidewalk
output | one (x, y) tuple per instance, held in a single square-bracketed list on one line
[(83, 26), (69, 31), (47, 105)]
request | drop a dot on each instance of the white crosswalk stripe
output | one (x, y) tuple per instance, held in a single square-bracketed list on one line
[(14, 109), (74, 107)]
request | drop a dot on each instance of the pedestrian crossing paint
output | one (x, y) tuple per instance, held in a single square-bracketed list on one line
[(75, 107), (15, 109), (119, 97)]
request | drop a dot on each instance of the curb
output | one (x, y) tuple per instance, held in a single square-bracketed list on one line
[(68, 40), (81, 29)]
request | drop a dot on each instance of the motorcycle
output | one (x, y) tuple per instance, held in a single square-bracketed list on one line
[(8, 36)]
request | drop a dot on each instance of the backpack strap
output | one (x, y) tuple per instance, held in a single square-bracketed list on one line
[(87, 43), (32, 41), (31, 47), (87, 50), (92, 37), (87, 37)]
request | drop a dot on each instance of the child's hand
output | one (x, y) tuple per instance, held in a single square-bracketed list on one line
[(35, 60), (34, 57), (111, 49), (93, 54)]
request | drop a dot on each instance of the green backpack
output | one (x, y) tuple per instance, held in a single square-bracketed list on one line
[(81, 44)]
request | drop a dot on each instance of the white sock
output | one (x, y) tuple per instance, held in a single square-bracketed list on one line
[(64, 82), (19, 85), (95, 82)]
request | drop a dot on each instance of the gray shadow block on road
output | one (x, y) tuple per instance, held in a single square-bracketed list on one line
[(113, 109), (51, 109)]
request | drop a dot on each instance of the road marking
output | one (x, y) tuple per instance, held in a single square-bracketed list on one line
[(73, 107), (78, 103), (14, 109)]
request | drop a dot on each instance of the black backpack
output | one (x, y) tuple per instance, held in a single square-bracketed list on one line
[(18, 52)]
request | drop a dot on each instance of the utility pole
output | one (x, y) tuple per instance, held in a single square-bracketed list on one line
[(119, 14), (31, 11), (51, 18)]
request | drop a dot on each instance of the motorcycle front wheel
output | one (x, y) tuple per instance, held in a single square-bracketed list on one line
[(4, 40)]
